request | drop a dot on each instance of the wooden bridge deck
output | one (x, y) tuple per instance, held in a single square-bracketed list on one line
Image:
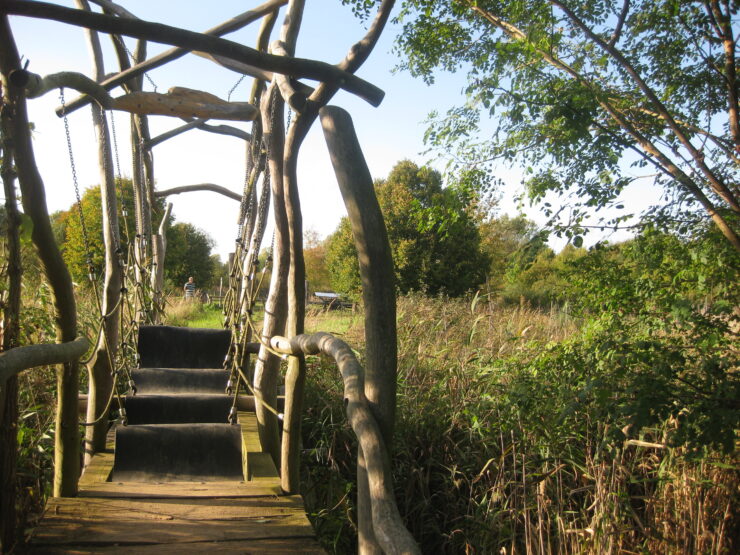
[(178, 517)]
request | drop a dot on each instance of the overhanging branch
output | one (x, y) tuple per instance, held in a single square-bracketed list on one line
[(157, 32), (199, 187)]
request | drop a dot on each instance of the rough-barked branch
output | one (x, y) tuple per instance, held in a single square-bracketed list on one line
[(157, 32), (387, 524), (22, 358), (199, 187)]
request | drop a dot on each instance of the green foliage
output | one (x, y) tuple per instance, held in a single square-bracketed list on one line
[(68, 229), (188, 254), (188, 248), (512, 427), (576, 99), (314, 256), (659, 343), (434, 238)]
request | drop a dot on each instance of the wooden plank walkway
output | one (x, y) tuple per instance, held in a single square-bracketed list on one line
[(178, 517)]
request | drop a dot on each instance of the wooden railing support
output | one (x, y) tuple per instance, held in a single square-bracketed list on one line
[(67, 439), (388, 528), (378, 289), (30, 356)]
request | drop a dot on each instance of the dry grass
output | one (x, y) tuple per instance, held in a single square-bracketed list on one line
[(485, 462)]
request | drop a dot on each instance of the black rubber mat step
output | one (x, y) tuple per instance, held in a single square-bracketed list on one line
[(178, 453), (173, 347), (178, 409), (159, 381)]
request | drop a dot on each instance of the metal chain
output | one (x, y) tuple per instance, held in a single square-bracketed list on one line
[(228, 97), (133, 58), (104, 140), (137, 193), (75, 182), (124, 212)]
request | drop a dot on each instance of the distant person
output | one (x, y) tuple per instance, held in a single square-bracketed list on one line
[(189, 288)]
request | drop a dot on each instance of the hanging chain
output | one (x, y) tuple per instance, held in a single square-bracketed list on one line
[(75, 182), (104, 140), (228, 97), (133, 58), (119, 187)]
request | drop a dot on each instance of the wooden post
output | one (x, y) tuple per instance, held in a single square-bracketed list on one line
[(9, 333), (100, 369), (267, 367), (378, 291), (159, 251), (67, 439)]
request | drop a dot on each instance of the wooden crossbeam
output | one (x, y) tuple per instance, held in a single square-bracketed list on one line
[(158, 32), (182, 102)]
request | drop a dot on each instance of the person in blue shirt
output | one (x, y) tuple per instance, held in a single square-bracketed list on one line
[(189, 288)]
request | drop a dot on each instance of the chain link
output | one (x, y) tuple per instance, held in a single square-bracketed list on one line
[(133, 58), (228, 97), (76, 184)]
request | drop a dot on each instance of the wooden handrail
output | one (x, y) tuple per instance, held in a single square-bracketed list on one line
[(389, 530), (21, 358)]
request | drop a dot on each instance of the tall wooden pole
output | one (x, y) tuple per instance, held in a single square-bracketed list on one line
[(100, 370), (67, 438), (267, 366), (378, 293), (10, 333)]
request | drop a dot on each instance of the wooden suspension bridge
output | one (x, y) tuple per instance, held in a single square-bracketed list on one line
[(178, 477), (186, 466)]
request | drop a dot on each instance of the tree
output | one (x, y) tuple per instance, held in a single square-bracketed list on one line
[(68, 229), (314, 255), (188, 254), (505, 238), (434, 238), (581, 90)]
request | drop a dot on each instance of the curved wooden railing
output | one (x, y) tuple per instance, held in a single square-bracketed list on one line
[(388, 526), (18, 359)]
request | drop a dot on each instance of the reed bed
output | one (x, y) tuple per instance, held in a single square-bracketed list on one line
[(493, 454)]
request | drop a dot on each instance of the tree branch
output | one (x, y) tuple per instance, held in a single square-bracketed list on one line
[(295, 67), (35, 85), (21, 358), (200, 187), (715, 183), (620, 23)]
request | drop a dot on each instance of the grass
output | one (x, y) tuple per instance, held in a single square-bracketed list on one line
[(488, 458), (192, 313), (342, 322)]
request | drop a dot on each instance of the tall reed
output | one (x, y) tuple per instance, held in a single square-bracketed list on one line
[(493, 454)]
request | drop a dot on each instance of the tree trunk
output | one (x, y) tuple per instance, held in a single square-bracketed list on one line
[(378, 292), (67, 437), (101, 367), (9, 332)]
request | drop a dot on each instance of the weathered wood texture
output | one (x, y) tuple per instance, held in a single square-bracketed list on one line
[(30, 356), (184, 104), (235, 23), (296, 67), (378, 290), (387, 524), (182, 517), (212, 187)]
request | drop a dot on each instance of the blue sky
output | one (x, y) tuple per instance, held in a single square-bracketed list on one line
[(389, 133)]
